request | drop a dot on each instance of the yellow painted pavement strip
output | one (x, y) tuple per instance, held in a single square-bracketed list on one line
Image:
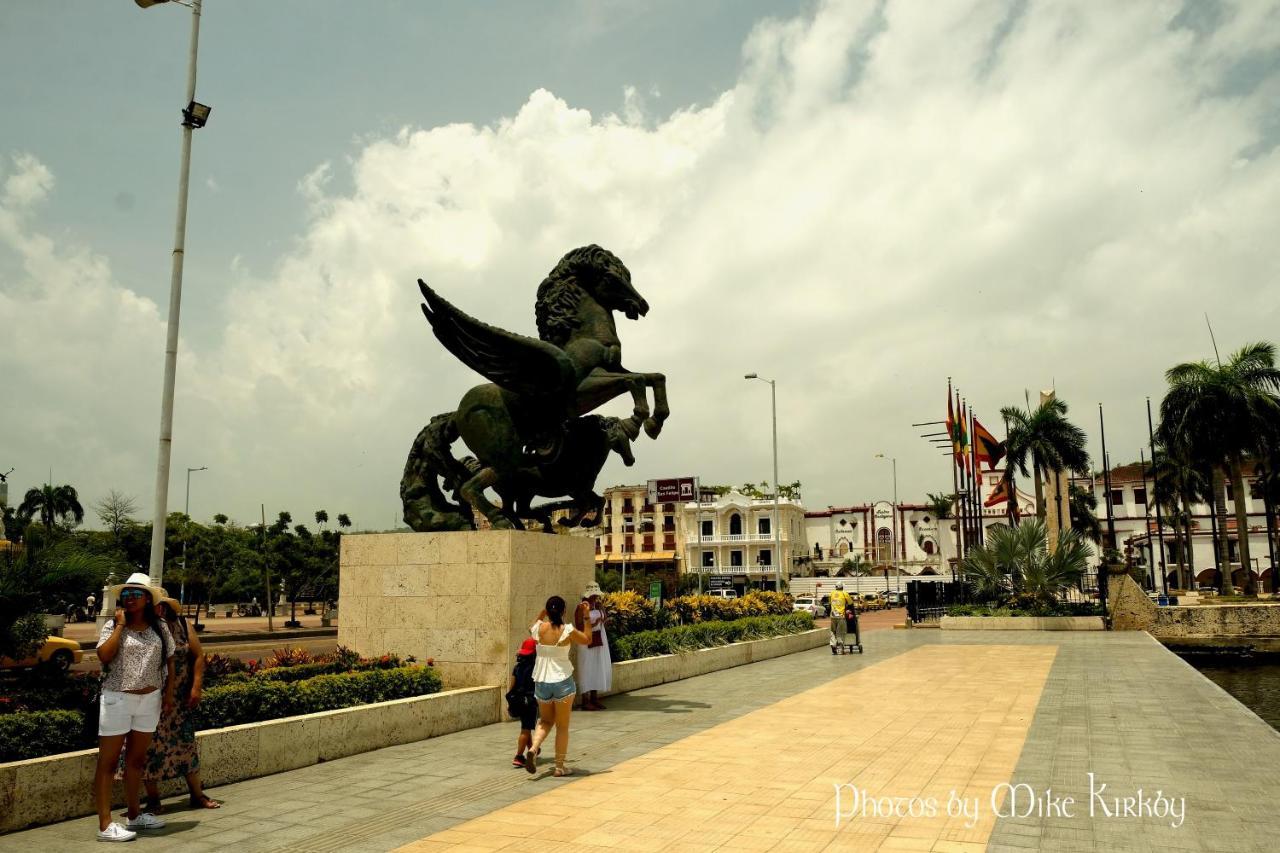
[(926, 722)]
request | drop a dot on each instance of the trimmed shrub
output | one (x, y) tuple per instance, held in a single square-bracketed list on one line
[(705, 635), (303, 671), (262, 699), (31, 734)]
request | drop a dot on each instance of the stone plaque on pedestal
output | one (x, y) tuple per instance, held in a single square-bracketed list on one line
[(464, 598)]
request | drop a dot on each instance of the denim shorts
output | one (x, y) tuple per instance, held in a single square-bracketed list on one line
[(554, 691)]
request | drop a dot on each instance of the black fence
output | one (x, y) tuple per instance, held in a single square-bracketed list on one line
[(927, 601)]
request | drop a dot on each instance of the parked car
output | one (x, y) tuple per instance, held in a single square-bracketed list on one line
[(807, 603), (723, 593), (57, 652)]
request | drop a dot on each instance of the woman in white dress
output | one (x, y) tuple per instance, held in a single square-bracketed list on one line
[(595, 668)]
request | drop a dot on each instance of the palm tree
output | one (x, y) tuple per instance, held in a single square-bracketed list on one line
[(322, 518), (1084, 516), (1015, 562), (53, 503), (344, 520), (1179, 484), (1219, 411), (941, 505), (220, 519), (1045, 438)]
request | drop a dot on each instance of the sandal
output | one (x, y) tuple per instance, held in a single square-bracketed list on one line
[(562, 771), (204, 801)]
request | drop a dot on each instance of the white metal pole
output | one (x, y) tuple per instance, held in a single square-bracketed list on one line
[(900, 520), (156, 569), (186, 510), (697, 503), (777, 489)]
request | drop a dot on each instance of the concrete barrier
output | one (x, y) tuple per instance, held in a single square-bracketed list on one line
[(647, 672), (1022, 623), (58, 787)]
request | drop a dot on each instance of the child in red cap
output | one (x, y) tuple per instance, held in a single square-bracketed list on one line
[(521, 703)]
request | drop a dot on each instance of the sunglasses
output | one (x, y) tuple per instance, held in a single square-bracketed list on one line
[(131, 593)]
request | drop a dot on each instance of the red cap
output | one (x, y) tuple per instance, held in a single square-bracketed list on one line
[(528, 647)]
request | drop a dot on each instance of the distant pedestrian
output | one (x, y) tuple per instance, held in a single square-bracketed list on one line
[(521, 703), (135, 649), (90, 605), (595, 668), (553, 684), (173, 750), (840, 602)]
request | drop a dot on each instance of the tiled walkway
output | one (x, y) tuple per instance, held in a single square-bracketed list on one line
[(749, 759)]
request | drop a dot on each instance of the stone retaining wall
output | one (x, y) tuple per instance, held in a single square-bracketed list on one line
[(1131, 610), (58, 787), (646, 672), (1021, 623)]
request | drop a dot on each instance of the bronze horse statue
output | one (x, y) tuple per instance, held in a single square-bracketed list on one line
[(526, 427)]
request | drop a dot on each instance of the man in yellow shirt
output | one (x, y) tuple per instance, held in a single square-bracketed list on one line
[(840, 602)]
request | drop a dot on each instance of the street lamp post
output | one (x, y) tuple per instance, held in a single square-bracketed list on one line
[(894, 545), (193, 115), (186, 510), (777, 528)]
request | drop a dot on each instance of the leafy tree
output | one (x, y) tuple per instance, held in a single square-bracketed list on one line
[(52, 504), (1219, 411), (344, 521), (1179, 483), (220, 519), (322, 518), (1047, 440)]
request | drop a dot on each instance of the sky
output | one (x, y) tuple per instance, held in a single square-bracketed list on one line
[(856, 199)]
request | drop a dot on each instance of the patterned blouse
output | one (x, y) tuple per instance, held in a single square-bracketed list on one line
[(139, 663)]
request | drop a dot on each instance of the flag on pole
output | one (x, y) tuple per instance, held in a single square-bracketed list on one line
[(962, 433), (999, 494), (989, 449)]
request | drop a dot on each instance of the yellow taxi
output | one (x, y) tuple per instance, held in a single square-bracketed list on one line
[(58, 652)]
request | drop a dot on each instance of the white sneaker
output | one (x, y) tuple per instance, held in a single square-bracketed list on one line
[(146, 820), (116, 832)]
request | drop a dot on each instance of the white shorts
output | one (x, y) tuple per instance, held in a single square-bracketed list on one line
[(120, 713)]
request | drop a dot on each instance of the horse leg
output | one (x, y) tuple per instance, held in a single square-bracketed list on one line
[(661, 411), (601, 386), (473, 492)]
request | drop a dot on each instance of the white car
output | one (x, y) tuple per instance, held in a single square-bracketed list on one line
[(809, 604), (723, 593)]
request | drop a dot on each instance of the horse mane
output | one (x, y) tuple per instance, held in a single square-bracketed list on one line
[(568, 284)]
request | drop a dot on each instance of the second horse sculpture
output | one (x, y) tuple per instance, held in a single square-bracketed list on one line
[(529, 427)]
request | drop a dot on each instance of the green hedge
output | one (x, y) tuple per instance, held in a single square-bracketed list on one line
[(304, 671), (1072, 608), (259, 699), (705, 635), (31, 734)]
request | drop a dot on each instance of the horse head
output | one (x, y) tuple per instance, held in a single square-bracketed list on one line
[(600, 275)]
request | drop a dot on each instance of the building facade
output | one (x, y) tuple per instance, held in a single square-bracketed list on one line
[(733, 535), (637, 534)]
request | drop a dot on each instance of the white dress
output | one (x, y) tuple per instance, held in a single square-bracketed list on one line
[(595, 669)]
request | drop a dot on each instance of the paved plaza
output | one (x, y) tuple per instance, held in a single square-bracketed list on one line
[(752, 758)]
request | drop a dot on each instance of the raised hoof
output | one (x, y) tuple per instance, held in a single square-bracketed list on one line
[(630, 428), (652, 427)]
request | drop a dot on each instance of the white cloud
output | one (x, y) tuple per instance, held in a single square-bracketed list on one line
[(882, 200)]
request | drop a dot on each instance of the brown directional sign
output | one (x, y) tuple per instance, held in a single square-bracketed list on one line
[(675, 490)]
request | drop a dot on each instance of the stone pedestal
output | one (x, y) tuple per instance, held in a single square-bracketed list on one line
[(464, 598)]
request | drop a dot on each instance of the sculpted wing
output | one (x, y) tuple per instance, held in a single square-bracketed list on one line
[(518, 363)]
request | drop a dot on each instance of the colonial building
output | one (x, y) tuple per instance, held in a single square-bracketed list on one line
[(1139, 537), (637, 533), (733, 535)]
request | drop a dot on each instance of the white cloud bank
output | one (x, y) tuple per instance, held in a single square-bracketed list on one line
[(1010, 194)]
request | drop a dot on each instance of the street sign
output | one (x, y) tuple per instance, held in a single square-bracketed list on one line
[(655, 592), (675, 490), (719, 582)]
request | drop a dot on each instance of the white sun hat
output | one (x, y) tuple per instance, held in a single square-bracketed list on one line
[(142, 581)]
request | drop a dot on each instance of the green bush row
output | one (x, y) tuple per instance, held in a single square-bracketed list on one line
[(304, 671), (32, 734), (705, 635), (258, 699)]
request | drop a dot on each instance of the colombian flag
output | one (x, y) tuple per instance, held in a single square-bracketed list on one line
[(999, 494)]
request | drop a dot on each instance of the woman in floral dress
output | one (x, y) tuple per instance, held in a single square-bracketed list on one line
[(173, 749)]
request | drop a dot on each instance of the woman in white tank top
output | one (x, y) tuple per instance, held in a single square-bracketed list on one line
[(553, 684)]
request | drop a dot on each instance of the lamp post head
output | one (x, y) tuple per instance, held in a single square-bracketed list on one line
[(751, 376)]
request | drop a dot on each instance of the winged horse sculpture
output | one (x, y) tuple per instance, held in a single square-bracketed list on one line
[(529, 427)]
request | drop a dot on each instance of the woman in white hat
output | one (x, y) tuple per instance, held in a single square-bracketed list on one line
[(595, 668), (135, 649)]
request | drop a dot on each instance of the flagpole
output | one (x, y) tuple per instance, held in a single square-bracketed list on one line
[(955, 480), (1146, 518), (977, 474), (1155, 489)]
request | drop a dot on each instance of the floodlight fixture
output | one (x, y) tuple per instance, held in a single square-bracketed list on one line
[(196, 114)]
